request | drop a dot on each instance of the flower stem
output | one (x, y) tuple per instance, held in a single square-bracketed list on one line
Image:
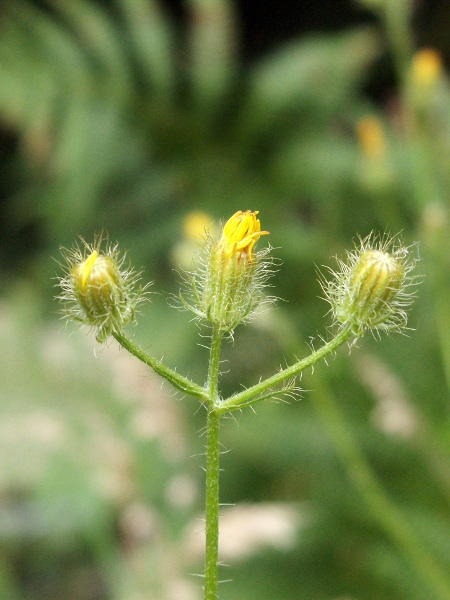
[(178, 381), (213, 470), (397, 21), (234, 402), (212, 506), (214, 363)]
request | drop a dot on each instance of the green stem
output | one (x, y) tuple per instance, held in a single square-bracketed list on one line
[(397, 17), (178, 381), (214, 364), (443, 327), (253, 392), (212, 39), (386, 513), (213, 470), (212, 506)]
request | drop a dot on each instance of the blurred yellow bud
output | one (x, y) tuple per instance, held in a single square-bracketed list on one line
[(196, 224), (426, 67), (369, 131)]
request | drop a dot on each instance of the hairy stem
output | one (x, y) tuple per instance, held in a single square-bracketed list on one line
[(253, 392), (213, 470), (214, 364), (212, 506), (178, 381)]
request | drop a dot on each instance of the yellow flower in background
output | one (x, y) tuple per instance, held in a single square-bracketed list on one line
[(240, 234), (426, 67), (371, 138), (195, 224)]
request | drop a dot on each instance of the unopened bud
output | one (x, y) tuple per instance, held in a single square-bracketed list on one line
[(228, 289), (98, 291), (371, 291)]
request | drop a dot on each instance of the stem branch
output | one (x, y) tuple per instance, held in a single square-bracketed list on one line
[(178, 381), (247, 395)]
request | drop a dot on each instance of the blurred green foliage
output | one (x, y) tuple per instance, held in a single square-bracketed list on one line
[(129, 120)]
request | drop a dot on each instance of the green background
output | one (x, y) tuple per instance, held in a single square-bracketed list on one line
[(124, 118)]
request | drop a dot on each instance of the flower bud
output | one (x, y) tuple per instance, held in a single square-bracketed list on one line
[(371, 289), (426, 85), (371, 137), (426, 67), (228, 289), (375, 169), (98, 291)]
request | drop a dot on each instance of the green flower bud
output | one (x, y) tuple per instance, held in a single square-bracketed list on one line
[(372, 289), (227, 288), (98, 291)]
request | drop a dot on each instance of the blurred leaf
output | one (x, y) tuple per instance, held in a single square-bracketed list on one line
[(314, 76)]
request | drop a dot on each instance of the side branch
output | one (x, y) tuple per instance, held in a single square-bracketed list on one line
[(183, 384), (252, 393)]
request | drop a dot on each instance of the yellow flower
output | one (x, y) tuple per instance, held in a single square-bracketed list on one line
[(369, 131), (426, 67), (195, 224), (240, 234)]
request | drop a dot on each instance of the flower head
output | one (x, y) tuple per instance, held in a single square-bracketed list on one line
[(373, 288), (240, 234), (97, 290), (227, 287)]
